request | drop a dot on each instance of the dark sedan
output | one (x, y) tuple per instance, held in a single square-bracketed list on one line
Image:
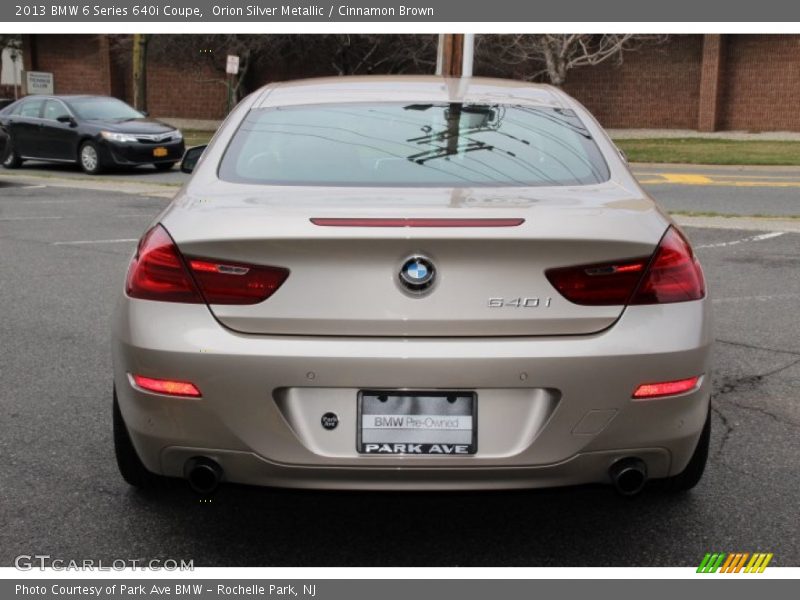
[(3, 144), (95, 132)]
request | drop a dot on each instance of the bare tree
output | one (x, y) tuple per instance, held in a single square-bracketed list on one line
[(264, 58), (10, 40), (374, 53), (552, 56)]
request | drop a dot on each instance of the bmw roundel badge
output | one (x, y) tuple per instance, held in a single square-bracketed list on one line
[(417, 274)]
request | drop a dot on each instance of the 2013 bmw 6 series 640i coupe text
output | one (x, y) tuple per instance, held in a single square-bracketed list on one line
[(412, 283)]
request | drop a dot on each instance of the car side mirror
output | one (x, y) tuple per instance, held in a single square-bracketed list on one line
[(191, 157), (68, 119)]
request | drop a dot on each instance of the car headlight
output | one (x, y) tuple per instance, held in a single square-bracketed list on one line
[(177, 136), (112, 136)]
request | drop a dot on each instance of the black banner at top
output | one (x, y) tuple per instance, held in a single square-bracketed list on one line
[(409, 11)]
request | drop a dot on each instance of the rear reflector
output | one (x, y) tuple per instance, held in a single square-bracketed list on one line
[(160, 272), (418, 222), (671, 274), (166, 386), (665, 388)]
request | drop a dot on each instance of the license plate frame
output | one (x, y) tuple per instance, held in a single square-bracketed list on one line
[(456, 404)]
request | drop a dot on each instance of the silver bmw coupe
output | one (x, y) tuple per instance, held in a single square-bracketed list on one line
[(412, 283)]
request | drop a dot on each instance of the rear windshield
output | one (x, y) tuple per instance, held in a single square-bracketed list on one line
[(393, 144)]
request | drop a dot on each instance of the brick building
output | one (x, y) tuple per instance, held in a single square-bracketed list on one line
[(705, 82)]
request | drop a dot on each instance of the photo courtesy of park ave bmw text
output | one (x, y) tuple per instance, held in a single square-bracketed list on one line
[(380, 290)]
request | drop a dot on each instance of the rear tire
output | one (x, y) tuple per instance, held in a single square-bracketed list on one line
[(130, 465), (693, 472), (89, 158), (164, 166), (12, 160)]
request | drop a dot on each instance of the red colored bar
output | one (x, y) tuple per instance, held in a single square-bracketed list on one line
[(354, 222)]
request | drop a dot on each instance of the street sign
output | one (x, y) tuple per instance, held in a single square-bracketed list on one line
[(39, 82), (232, 68)]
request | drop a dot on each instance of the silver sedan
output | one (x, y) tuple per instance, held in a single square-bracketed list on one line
[(412, 283)]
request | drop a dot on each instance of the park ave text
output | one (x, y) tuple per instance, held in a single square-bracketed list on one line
[(177, 589)]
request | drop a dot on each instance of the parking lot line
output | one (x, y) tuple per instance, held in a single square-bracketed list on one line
[(82, 242), (752, 238), (61, 218)]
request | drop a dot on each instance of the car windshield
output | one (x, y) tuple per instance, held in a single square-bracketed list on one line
[(103, 108), (430, 144)]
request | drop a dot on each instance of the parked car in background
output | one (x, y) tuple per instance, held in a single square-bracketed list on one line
[(3, 144), (412, 283), (95, 132)]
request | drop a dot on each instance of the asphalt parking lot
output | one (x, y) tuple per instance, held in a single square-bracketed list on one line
[(63, 253)]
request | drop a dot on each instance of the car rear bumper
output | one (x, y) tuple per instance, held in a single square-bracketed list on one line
[(551, 411)]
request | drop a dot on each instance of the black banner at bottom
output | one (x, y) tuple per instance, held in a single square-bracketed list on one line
[(728, 587)]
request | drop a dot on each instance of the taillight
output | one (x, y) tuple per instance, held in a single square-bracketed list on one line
[(674, 275), (235, 283), (160, 272), (671, 274), (157, 272), (666, 388)]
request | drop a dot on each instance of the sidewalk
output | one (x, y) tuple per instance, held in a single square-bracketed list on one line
[(764, 136)]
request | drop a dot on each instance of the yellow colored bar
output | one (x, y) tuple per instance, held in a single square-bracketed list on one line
[(727, 566), (765, 563), (759, 560), (750, 564), (741, 562)]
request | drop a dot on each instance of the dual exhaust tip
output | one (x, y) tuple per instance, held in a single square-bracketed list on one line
[(628, 475)]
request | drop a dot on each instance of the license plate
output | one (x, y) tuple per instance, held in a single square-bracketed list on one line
[(160, 152), (433, 423)]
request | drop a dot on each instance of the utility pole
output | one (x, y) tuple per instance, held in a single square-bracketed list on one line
[(455, 54), (140, 71)]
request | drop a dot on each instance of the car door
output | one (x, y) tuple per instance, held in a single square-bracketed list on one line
[(24, 128), (57, 139)]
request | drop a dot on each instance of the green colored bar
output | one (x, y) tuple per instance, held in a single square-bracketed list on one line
[(703, 563), (711, 562)]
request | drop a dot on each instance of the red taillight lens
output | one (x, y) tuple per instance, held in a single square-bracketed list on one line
[(606, 284), (665, 388), (159, 272), (672, 274), (233, 283), (166, 386)]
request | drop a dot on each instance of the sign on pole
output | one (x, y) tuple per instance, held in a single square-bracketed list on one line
[(232, 67), (39, 82)]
